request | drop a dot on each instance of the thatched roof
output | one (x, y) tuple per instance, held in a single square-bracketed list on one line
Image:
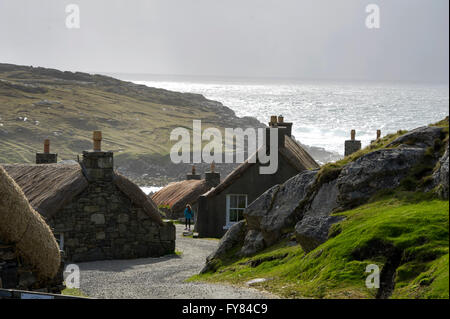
[(292, 151), (49, 187), (176, 195), (137, 196), (23, 227)]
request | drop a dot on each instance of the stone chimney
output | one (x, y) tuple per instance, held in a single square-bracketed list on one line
[(352, 145), (287, 125), (193, 174), (212, 177), (46, 157), (378, 134), (284, 128), (273, 121), (98, 165)]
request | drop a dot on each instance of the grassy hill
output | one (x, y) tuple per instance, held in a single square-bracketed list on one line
[(39, 103), (415, 225)]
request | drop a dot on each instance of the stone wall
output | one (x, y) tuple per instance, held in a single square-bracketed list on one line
[(46, 158), (103, 223), (352, 146), (15, 273)]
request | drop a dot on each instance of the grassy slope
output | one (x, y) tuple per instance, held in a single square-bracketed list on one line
[(417, 226), (415, 223), (136, 121)]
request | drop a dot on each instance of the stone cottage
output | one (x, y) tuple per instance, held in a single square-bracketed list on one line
[(173, 198), (223, 206), (95, 212)]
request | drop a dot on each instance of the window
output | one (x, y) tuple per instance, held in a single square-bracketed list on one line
[(236, 205)]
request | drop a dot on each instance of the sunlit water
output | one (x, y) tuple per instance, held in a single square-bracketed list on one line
[(324, 113), (150, 189)]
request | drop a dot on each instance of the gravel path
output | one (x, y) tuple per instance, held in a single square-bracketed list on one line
[(159, 277)]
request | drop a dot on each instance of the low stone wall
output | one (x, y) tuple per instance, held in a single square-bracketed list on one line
[(102, 223), (17, 274)]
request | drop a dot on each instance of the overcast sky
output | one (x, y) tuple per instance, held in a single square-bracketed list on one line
[(305, 39)]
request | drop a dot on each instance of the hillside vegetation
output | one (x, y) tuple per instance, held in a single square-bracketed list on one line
[(415, 226), (136, 121)]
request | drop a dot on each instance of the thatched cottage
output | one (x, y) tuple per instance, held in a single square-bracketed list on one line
[(222, 206), (29, 254), (173, 198), (95, 212)]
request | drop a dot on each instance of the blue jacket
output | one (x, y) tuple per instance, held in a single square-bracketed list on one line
[(188, 214)]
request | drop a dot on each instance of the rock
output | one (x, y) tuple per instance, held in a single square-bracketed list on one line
[(122, 218), (357, 182), (421, 137), (378, 170), (256, 281), (324, 201), (100, 235), (233, 237), (441, 178), (253, 242), (98, 219), (276, 209), (312, 231)]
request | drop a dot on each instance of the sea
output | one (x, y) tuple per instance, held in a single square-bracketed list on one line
[(324, 113)]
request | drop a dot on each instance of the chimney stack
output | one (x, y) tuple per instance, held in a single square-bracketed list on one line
[(287, 125), (378, 134), (97, 138), (46, 157), (193, 174), (98, 165), (352, 145), (273, 121), (283, 128), (280, 119), (46, 146), (212, 177)]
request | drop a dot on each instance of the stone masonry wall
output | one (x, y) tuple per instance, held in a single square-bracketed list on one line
[(103, 223)]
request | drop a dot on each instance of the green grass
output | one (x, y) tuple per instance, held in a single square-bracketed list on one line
[(73, 292), (411, 222)]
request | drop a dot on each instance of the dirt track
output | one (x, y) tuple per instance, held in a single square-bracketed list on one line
[(159, 277)]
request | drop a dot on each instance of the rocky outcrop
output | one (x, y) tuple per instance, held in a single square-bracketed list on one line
[(357, 182), (253, 242), (312, 231), (378, 170), (305, 203), (440, 176), (421, 137), (232, 238), (275, 211)]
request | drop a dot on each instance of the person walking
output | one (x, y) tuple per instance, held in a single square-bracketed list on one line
[(188, 215)]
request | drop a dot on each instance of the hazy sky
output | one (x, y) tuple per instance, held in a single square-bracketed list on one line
[(306, 39)]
